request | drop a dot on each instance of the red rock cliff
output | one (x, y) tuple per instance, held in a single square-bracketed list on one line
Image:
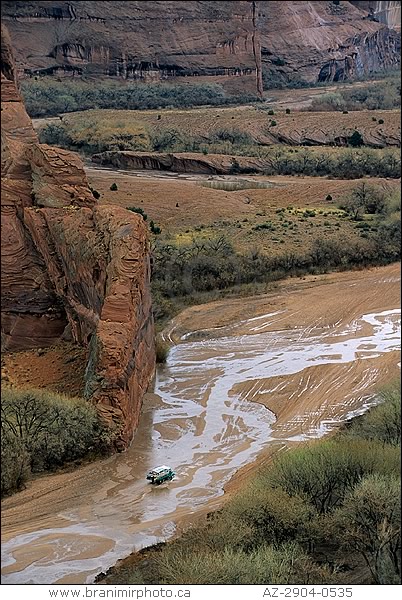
[(72, 269), (384, 11), (303, 40), (323, 41)]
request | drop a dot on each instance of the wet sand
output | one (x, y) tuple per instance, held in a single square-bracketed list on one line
[(244, 376)]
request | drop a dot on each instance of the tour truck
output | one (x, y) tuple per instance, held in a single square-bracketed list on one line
[(160, 474)]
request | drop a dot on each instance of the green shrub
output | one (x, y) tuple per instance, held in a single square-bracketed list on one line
[(212, 264), (176, 566), (328, 102), (55, 134), (356, 139), (139, 211), (154, 228), (93, 132), (374, 96), (362, 225), (162, 350), (324, 473), (268, 225), (381, 121), (384, 421), (234, 136), (169, 139), (272, 515), (48, 97), (95, 193), (15, 463), (234, 166), (49, 429), (369, 523), (113, 187), (364, 198)]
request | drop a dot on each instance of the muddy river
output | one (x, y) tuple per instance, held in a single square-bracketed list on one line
[(242, 375)]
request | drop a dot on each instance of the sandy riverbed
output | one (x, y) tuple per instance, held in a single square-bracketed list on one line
[(310, 355)]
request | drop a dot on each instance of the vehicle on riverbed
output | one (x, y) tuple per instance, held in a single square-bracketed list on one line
[(160, 474)]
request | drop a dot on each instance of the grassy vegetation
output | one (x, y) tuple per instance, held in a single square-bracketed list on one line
[(382, 95), (337, 498), (278, 79), (183, 270), (369, 199), (46, 97), (42, 431), (92, 132), (346, 163), (97, 135)]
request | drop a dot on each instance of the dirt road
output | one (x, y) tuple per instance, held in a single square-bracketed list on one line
[(309, 355)]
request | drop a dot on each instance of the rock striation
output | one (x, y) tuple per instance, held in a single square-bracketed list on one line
[(383, 11), (163, 40), (71, 269), (179, 162), (135, 40), (315, 129), (324, 41)]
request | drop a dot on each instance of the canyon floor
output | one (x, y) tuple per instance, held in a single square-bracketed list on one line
[(245, 378), (379, 128), (204, 212)]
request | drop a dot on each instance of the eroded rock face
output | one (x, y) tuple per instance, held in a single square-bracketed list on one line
[(72, 269), (385, 11), (180, 162), (324, 41), (308, 40), (135, 40), (315, 131)]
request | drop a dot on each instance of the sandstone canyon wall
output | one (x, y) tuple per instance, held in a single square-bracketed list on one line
[(325, 41), (71, 269), (384, 11), (288, 41)]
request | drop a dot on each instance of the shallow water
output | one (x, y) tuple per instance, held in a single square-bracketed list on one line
[(201, 422), (236, 185)]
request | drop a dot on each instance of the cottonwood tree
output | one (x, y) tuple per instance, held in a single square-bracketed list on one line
[(369, 522), (27, 418), (362, 199), (52, 429)]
